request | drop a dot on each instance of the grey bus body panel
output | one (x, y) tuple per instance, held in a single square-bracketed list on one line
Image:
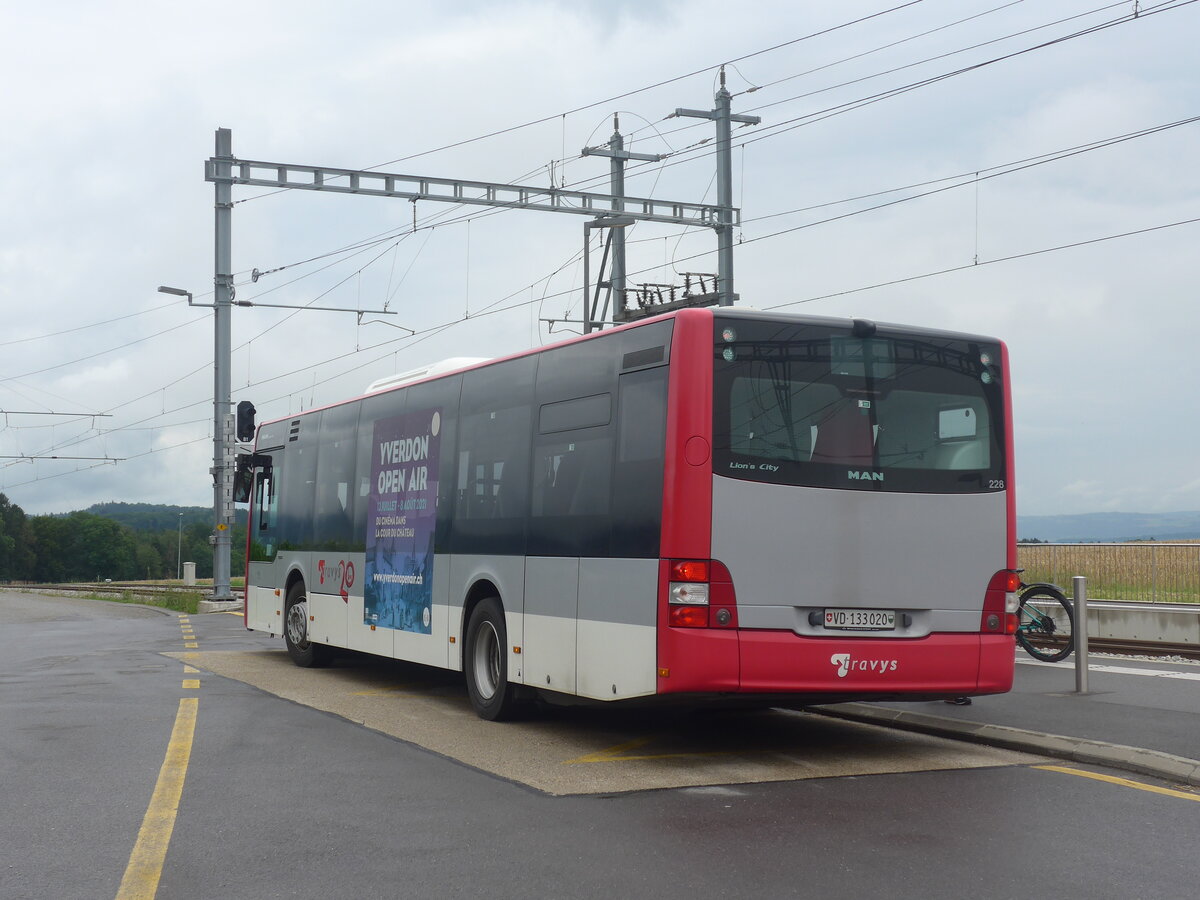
[(794, 550)]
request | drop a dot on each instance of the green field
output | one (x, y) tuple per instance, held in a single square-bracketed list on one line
[(1143, 571)]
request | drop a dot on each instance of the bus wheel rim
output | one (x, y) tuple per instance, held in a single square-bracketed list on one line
[(297, 624), (487, 660)]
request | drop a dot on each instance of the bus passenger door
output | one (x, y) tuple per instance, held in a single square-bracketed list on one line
[(261, 600)]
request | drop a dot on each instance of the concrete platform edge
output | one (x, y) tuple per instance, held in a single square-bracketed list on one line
[(1155, 763), (212, 606)]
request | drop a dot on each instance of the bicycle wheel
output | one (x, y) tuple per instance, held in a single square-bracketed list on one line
[(1046, 623)]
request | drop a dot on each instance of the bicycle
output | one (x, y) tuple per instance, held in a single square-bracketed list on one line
[(1045, 622)]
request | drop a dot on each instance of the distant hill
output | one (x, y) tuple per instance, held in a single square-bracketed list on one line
[(1175, 526), (151, 517)]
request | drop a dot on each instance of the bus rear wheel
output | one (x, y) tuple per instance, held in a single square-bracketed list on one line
[(486, 662), (304, 652)]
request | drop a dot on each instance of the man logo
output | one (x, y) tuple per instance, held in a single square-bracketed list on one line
[(864, 475)]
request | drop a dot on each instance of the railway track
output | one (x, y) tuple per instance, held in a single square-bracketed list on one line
[(117, 588), (1122, 647)]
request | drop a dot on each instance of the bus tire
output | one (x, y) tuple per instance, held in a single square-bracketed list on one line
[(486, 662), (304, 652)]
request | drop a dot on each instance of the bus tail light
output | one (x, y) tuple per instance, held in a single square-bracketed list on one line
[(700, 595), (1000, 603)]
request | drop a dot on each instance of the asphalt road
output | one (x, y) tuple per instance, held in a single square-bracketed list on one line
[(287, 793)]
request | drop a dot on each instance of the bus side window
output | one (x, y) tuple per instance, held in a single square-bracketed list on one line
[(637, 484), (494, 440), (334, 498)]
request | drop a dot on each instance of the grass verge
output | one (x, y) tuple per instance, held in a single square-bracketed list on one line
[(184, 601)]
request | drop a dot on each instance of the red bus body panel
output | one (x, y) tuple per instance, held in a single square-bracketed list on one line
[(704, 660), (744, 661), (687, 477)]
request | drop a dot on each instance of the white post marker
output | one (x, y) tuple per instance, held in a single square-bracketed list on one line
[(1081, 635)]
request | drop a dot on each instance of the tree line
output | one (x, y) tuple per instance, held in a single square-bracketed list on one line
[(122, 542)]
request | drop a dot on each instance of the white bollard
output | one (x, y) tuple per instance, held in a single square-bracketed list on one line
[(1081, 635)]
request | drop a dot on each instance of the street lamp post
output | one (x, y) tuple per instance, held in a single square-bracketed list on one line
[(222, 442)]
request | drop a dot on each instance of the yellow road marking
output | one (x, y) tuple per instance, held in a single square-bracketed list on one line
[(184, 619), (191, 645), (191, 655), (190, 670), (1123, 782), (192, 684), (620, 753), (145, 863)]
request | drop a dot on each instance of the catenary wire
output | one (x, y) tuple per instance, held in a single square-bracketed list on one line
[(763, 237), (621, 96)]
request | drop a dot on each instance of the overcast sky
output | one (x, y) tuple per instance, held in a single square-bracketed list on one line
[(111, 109)]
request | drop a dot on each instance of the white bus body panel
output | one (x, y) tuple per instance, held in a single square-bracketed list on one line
[(550, 624), (360, 635), (507, 573), (618, 635), (261, 607), (327, 618), (589, 626), (583, 626)]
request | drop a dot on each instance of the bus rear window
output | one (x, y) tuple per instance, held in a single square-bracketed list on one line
[(810, 404)]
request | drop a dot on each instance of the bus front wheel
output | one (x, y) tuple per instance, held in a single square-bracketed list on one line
[(303, 651), (486, 662)]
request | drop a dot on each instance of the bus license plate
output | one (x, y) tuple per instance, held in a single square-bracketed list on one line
[(860, 619)]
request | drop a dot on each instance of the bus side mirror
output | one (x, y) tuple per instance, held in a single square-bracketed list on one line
[(245, 421), (243, 474), (243, 477)]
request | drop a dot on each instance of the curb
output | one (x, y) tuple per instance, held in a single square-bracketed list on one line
[(211, 606), (1155, 763)]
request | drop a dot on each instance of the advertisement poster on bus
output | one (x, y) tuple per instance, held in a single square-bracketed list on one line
[(401, 515)]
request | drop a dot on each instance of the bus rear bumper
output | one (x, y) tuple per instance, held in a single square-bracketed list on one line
[(842, 668)]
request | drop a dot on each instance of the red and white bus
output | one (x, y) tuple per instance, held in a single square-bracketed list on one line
[(708, 505)]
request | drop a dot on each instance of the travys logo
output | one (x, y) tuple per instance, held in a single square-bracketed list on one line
[(342, 573), (847, 663)]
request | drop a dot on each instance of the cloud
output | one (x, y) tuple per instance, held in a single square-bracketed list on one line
[(103, 159)]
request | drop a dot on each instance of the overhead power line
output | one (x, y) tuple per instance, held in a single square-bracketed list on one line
[(987, 262), (77, 415), (495, 309), (53, 334), (1161, 7), (687, 154), (31, 458), (99, 353), (785, 126), (544, 119), (683, 155), (433, 330)]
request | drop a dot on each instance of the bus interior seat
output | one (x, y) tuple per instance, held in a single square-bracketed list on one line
[(561, 492), (845, 437)]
